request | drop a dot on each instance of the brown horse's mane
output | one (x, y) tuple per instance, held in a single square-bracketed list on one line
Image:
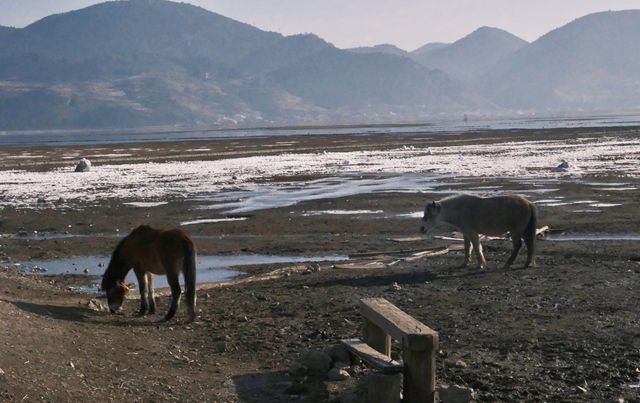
[(112, 274)]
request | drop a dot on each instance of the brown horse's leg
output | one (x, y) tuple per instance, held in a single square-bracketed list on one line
[(142, 285), (190, 291), (151, 294), (475, 241), (517, 244), (174, 283), (530, 240)]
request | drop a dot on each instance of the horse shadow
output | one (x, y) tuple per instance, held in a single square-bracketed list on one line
[(78, 314), (413, 277)]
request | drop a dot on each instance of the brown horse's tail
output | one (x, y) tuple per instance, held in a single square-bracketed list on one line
[(530, 236), (189, 271)]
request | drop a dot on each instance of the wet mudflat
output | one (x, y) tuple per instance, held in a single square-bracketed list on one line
[(564, 330)]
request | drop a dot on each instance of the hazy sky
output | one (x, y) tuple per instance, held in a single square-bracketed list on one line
[(407, 24)]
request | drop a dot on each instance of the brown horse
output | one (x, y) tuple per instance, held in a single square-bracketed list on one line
[(150, 251), (475, 215)]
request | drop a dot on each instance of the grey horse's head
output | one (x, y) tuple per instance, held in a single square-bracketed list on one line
[(431, 217)]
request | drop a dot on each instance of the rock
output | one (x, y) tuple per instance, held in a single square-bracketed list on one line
[(86, 271), (383, 388), (1, 372), (562, 167), (337, 374), (455, 394), (338, 353), (341, 365), (96, 306), (83, 166), (317, 362), (296, 389), (221, 347), (460, 364), (297, 370), (395, 287)]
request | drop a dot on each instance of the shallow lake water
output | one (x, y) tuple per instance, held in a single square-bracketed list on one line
[(210, 268)]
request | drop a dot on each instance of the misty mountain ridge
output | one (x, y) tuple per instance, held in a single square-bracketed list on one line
[(383, 48), (592, 63), (472, 56), (155, 62)]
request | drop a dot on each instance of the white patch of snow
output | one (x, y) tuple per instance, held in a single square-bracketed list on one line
[(521, 160), (340, 212), (212, 220), (145, 204)]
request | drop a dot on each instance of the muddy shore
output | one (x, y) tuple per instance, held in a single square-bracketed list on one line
[(566, 330)]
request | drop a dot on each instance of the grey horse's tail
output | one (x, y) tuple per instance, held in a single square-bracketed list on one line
[(530, 236), (189, 271)]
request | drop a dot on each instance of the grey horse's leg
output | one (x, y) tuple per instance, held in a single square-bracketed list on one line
[(174, 283), (475, 241), (142, 285), (467, 252), (151, 294), (517, 244)]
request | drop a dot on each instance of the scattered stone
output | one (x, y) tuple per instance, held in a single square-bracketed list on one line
[(455, 394), (221, 347), (1, 372), (562, 167), (339, 354), (395, 287), (297, 370), (296, 389), (460, 364), (97, 306), (83, 166), (317, 362), (337, 374), (383, 388)]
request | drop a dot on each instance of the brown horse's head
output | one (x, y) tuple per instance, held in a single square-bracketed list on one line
[(116, 291), (431, 217)]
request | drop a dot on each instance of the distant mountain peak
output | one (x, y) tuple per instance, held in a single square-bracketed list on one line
[(469, 57), (382, 48)]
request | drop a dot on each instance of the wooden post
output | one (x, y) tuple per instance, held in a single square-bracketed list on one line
[(377, 338), (419, 355)]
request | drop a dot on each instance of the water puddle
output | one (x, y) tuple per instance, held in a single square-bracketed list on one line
[(593, 237), (212, 220), (274, 196), (340, 212), (211, 268)]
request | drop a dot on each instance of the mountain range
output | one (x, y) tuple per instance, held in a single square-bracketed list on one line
[(159, 63)]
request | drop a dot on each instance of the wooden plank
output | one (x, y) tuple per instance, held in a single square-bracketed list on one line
[(542, 229), (410, 239), (391, 319), (397, 252), (430, 253), (361, 265), (372, 357)]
